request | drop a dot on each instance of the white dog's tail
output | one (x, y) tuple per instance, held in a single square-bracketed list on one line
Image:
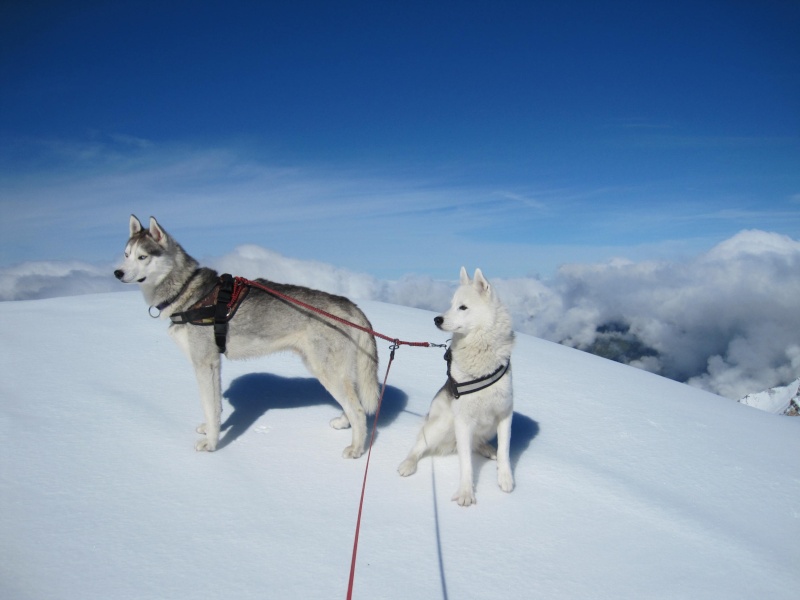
[(367, 364)]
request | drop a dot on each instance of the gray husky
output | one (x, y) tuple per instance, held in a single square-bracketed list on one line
[(253, 323)]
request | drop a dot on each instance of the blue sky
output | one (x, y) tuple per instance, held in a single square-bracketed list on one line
[(396, 138)]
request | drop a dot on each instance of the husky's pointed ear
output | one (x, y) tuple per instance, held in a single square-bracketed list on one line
[(480, 282), (159, 235), (464, 277), (135, 225)]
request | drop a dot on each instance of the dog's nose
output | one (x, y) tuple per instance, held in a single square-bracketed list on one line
[(119, 273), (438, 320)]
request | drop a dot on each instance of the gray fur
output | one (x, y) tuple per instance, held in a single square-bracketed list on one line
[(344, 359)]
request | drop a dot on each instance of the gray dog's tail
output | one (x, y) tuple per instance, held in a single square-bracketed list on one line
[(368, 388)]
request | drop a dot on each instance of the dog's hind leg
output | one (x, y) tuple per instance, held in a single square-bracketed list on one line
[(432, 436), (340, 422), (322, 362), (344, 392), (208, 380), (487, 450), (409, 465), (355, 415)]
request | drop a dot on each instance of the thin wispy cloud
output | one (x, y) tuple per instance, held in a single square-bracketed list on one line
[(73, 201), (215, 197)]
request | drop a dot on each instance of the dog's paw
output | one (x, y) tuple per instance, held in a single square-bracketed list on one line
[(487, 450), (205, 445), (201, 428), (407, 467), (340, 422), (505, 480), (352, 452), (464, 497)]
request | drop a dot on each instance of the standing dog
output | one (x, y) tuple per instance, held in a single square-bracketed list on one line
[(344, 359), (476, 401)]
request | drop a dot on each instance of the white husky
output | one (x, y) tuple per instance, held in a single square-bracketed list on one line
[(476, 402)]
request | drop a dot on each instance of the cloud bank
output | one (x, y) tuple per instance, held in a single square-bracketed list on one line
[(51, 279), (725, 321)]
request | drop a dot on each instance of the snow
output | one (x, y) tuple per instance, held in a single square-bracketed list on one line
[(777, 400), (629, 485)]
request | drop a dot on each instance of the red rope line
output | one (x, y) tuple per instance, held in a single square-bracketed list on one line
[(262, 287), (239, 283), (364, 483)]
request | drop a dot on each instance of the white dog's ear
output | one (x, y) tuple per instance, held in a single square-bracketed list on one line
[(480, 282), (464, 277), (135, 225), (159, 235)]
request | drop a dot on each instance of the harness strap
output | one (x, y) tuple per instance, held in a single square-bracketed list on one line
[(476, 385), (209, 310), (162, 305), (224, 296), (216, 308), (195, 316)]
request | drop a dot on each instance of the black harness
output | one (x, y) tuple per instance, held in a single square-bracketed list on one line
[(476, 385), (216, 307)]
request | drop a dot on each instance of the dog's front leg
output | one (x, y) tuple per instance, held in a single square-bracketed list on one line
[(504, 477), (199, 348), (465, 496), (208, 380)]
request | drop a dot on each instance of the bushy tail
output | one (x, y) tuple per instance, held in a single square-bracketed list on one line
[(367, 364)]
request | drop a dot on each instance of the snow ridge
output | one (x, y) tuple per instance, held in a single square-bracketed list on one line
[(782, 400)]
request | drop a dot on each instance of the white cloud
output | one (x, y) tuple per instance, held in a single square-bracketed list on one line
[(36, 280), (254, 261), (725, 321)]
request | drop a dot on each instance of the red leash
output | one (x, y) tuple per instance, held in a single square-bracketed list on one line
[(239, 284), (366, 470), (241, 281)]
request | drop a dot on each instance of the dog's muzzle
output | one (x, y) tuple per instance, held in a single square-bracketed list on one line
[(120, 274)]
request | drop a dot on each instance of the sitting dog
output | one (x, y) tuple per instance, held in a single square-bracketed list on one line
[(476, 402)]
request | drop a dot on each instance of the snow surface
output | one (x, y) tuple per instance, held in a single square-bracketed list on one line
[(629, 485)]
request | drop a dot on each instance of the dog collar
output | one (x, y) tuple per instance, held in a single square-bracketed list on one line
[(476, 385), (162, 305)]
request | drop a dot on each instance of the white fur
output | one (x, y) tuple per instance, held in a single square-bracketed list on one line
[(482, 341)]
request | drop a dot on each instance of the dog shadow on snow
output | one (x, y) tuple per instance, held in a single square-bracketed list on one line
[(252, 395), (523, 430)]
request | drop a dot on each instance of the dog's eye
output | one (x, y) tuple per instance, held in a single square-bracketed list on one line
[(127, 255), (462, 307), (142, 257)]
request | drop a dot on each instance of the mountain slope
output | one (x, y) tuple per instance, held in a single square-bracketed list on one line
[(629, 485), (782, 400)]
